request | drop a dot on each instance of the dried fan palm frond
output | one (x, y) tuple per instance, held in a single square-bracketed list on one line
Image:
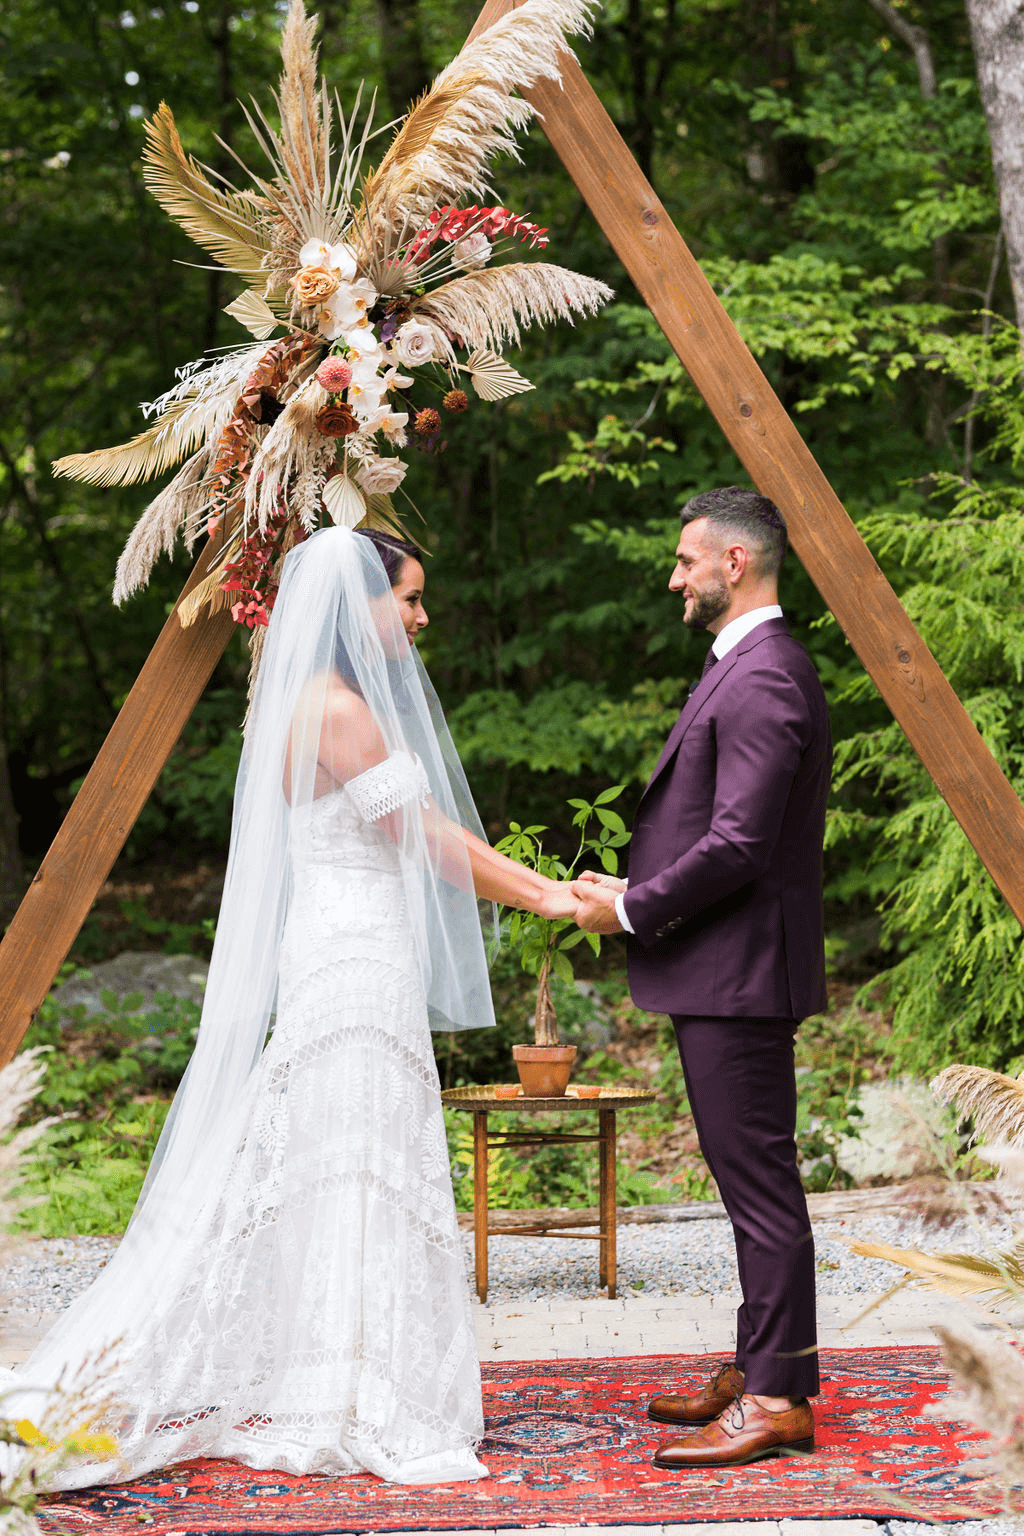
[(995, 1102), (298, 96), (171, 513), (469, 114), (492, 377), (252, 310), (232, 225), (999, 1278), (488, 308)]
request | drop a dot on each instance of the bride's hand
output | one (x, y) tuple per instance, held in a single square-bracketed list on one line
[(557, 900), (599, 878)]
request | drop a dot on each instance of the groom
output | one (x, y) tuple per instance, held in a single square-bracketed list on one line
[(724, 916)]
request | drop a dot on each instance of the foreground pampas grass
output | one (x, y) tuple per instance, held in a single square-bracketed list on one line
[(383, 272)]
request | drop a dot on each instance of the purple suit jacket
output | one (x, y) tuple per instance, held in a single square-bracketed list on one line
[(725, 863)]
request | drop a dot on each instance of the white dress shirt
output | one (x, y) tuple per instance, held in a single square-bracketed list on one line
[(726, 639)]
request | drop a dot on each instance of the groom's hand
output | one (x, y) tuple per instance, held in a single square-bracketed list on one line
[(596, 896)]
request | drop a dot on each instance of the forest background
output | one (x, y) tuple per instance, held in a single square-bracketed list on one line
[(828, 162)]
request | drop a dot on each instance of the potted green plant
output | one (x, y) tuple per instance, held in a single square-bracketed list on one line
[(543, 943)]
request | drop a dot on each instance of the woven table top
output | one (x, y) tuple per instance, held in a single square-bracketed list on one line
[(482, 1096)]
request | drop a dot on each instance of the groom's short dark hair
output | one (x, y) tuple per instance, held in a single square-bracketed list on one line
[(748, 516)]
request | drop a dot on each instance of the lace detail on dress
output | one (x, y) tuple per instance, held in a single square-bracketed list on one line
[(398, 780), (315, 1316)]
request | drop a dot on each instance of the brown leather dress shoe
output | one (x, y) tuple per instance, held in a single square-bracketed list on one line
[(743, 1433), (713, 1398)]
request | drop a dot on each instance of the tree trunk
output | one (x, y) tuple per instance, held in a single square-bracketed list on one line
[(12, 878), (545, 1022), (997, 32)]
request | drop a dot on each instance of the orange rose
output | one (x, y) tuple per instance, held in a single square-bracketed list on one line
[(314, 285), (335, 421)]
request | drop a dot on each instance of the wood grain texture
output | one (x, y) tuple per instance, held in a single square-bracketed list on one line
[(105, 809), (783, 468)]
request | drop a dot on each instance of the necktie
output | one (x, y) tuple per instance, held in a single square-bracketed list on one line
[(709, 662)]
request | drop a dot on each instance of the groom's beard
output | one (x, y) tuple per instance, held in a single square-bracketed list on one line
[(707, 606)]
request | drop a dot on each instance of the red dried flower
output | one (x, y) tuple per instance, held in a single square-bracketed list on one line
[(426, 423), (455, 400)]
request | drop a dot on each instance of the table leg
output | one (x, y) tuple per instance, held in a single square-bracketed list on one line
[(608, 1264), (480, 1200)]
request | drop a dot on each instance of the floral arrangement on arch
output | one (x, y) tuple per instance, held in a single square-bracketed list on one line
[(384, 282)]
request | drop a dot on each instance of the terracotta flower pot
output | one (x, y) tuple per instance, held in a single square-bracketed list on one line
[(544, 1069)]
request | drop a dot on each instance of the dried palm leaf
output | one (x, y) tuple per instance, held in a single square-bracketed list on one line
[(155, 532), (492, 377), (485, 309), (180, 428), (469, 114), (1000, 1277), (345, 502), (996, 1102), (253, 311), (232, 225), (194, 410)]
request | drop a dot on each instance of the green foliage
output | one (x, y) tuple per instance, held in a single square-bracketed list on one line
[(109, 1075), (542, 943)]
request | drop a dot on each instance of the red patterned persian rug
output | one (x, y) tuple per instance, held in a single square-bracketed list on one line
[(568, 1443)]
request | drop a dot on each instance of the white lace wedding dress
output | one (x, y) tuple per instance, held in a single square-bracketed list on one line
[(316, 1317)]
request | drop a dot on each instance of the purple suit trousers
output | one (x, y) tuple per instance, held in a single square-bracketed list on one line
[(725, 899)]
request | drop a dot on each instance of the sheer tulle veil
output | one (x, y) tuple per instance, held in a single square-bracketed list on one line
[(335, 624)]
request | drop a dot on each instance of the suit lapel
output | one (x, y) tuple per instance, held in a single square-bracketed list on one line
[(706, 688)]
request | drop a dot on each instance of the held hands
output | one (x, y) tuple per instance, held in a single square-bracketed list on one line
[(596, 895), (558, 900)]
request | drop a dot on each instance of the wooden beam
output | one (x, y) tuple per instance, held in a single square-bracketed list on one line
[(782, 467), (103, 812)]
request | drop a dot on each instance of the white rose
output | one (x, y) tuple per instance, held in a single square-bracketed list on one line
[(414, 344), (472, 251), (381, 476)]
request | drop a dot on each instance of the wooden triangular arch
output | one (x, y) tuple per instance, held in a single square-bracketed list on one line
[(773, 454)]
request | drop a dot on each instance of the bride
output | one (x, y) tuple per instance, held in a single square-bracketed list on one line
[(290, 1292)]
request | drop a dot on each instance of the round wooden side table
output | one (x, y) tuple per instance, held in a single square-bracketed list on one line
[(482, 1101)]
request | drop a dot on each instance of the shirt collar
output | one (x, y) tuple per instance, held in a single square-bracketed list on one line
[(738, 629)]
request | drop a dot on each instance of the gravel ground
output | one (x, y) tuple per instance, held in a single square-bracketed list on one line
[(693, 1258), (686, 1258)]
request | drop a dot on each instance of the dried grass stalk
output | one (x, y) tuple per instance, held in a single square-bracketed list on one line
[(995, 1102), (469, 114), (173, 511), (487, 309), (298, 98), (292, 449), (988, 1380)]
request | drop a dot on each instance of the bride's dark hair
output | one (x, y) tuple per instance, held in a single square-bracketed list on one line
[(393, 552)]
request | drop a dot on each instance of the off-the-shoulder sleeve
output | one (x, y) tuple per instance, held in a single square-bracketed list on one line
[(387, 786)]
